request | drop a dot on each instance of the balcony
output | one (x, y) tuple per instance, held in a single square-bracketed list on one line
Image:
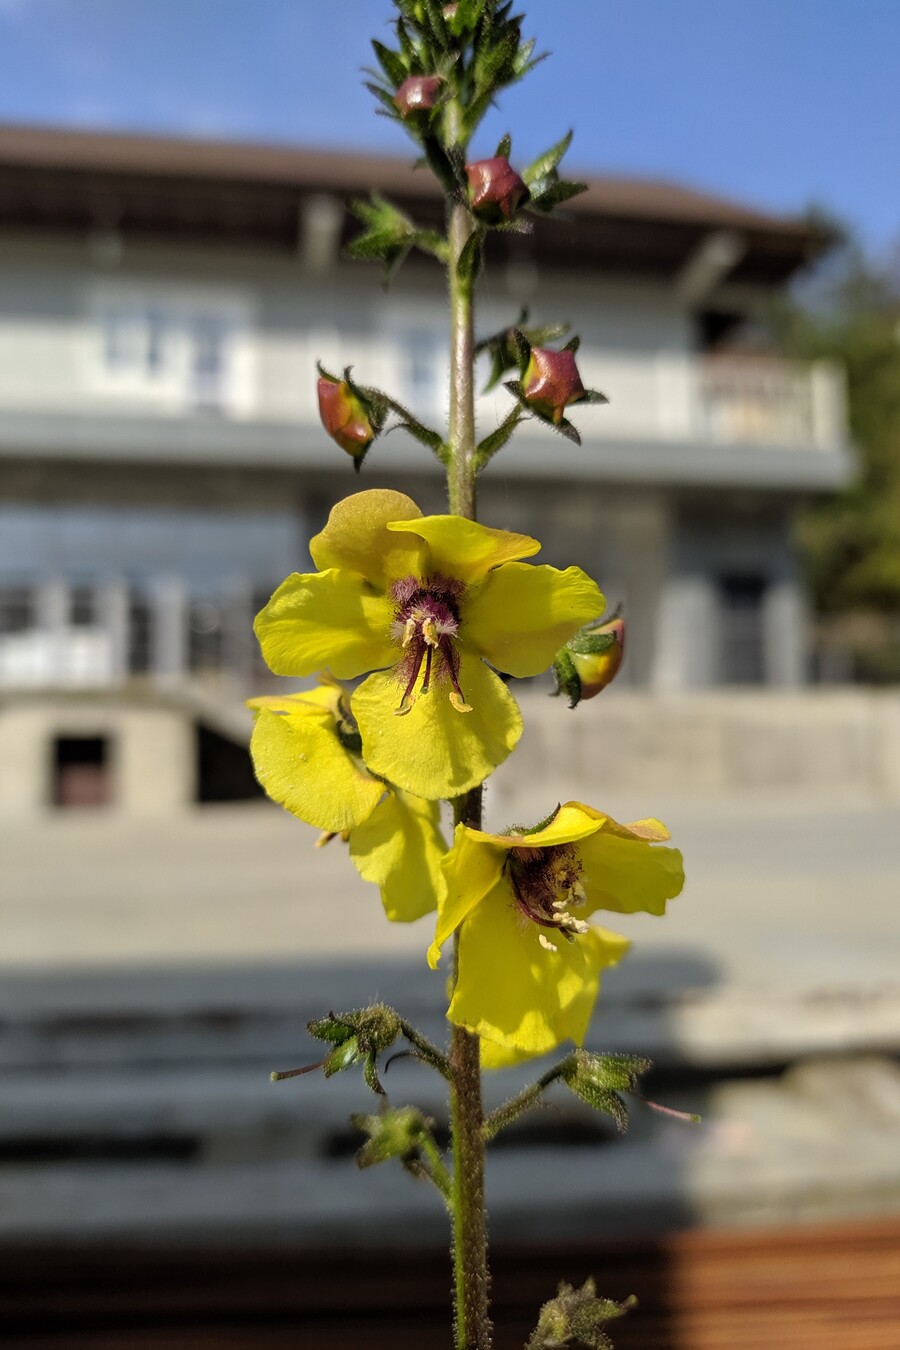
[(765, 401)]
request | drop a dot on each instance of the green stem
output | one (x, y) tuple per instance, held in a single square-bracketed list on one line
[(470, 1258), (461, 470), (473, 1326), (528, 1097)]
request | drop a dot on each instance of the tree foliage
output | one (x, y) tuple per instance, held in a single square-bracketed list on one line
[(852, 541)]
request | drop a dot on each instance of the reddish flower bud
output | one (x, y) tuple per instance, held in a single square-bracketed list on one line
[(590, 660), (495, 189), (345, 417), (418, 93), (551, 381), (598, 669)]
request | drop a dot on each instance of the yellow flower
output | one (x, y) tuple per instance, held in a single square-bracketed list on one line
[(305, 751), (424, 601), (528, 963)]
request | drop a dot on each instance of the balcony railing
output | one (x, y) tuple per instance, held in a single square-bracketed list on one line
[(768, 401)]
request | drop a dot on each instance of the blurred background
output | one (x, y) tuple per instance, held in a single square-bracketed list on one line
[(174, 180)]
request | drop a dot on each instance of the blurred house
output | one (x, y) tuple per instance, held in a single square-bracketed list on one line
[(162, 304)]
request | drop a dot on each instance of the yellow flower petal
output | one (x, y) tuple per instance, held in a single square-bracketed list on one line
[(463, 548), (522, 614), (572, 822), (433, 750), (331, 619), (471, 870), (604, 949), (325, 697), (400, 848), (356, 538), (627, 874), (301, 763), (512, 991)]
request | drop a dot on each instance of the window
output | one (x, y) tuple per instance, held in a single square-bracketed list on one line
[(16, 609), (81, 771), (423, 370), (179, 350)]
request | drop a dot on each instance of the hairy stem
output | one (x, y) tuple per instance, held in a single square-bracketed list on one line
[(470, 1257), (473, 1327), (461, 469), (523, 1101)]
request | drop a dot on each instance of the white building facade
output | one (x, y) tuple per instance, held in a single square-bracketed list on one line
[(162, 307)]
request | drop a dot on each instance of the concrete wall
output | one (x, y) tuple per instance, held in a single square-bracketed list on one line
[(827, 744), (152, 753), (843, 742)]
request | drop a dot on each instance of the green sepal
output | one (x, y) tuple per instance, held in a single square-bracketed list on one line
[(552, 193), (568, 681), (391, 63), (341, 1057), (390, 234), (546, 163), (359, 1035), (488, 447), (586, 643), (565, 427), (504, 147), (469, 260), (511, 347), (577, 1317), (468, 13), (598, 1079), (395, 1133), (424, 435), (385, 98), (446, 166)]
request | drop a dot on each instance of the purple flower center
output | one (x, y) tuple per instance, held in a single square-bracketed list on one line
[(546, 883), (425, 625)]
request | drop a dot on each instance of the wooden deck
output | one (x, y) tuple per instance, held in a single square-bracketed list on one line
[(803, 1288)]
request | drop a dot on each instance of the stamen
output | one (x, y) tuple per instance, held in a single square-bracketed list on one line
[(545, 942), (426, 624)]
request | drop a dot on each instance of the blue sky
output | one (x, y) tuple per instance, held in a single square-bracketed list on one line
[(779, 102)]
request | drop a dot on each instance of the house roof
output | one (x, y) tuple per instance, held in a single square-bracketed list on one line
[(245, 193)]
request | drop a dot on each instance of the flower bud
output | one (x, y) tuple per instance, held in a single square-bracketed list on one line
[(551, 382), (598, 669), (495, 189), (345, 416), (590, 660), (391, 1134), (418, 93)]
